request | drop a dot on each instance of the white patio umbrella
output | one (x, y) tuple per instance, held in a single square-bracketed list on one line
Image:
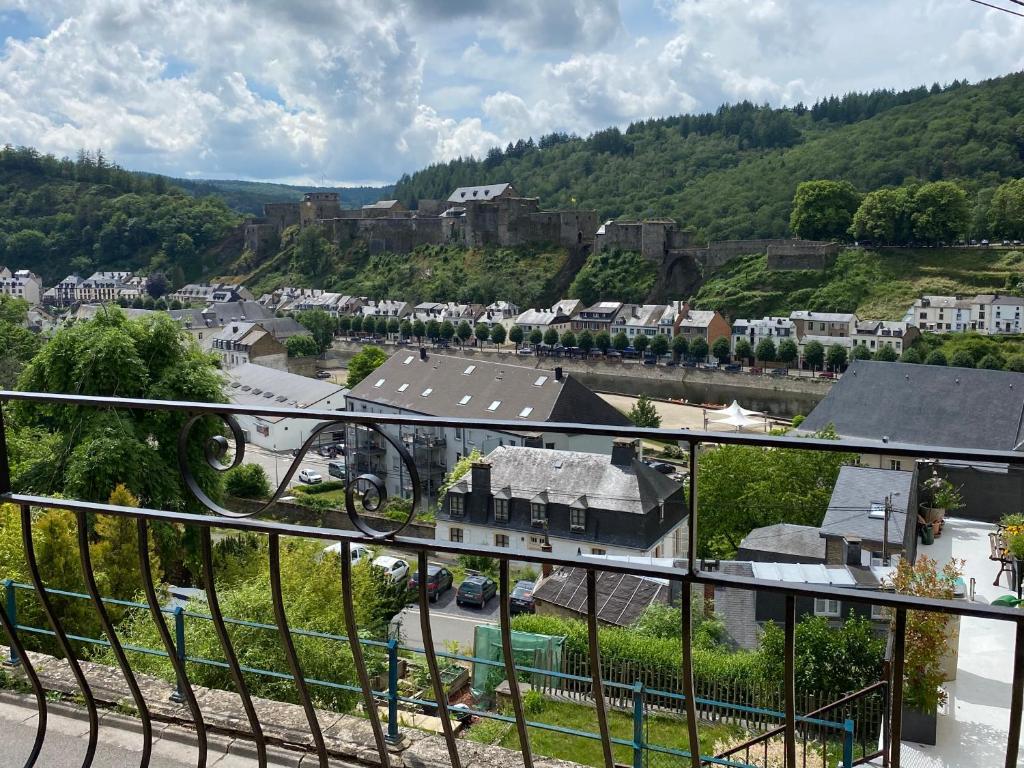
[(739, 421), (737, 410)]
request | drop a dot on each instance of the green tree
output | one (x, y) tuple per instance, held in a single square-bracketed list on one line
[(886, 354), (312, 252), (814, 355), (823, 209), (743, 350), (344, 324), (115, 551), (394, 326), (586, 342), (482, 331), (936, 357), (567, 339), (621, 341), (1006, 212), (363, 364), (356, 324), (941, 213), (884, 217), (660, 345), (447, 330), (247, 481), (765, 351), (1015, 363), (17, 344), (536, 337), (788, 352), (551, 337), (602, 341), (498, 334), (836, 357), (301, 346), (643, 413), (991, 363), (515, 335), (321, 325), (405, 329), (464, 332), (699, 348), (721, 349), (911, 355), (434, 329), (419, 330), (861, 352), (640, 343)]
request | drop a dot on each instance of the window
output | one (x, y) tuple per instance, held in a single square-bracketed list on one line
[(455, 535), (465, 399), (578, 519), (455, 507), (494, 406), (879, 613), (535, 542), (379, 383), (525, 412), (426, 392), (403, 388), (895, 464), (823, 607), (408, 360), (540, 381), (598, 551), (458, 433), (501, 540), (469, 370), (538, 514), (501, 510)]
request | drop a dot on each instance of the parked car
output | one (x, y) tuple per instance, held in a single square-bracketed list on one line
[(360, 552), (664, 467), (322, 374), (525, 351), (476, 590), (521, 599), (395, 567), (336, 469), (439, 581), (826, 375), (650, 361), (732, 368), (310, 476), (780, 371)]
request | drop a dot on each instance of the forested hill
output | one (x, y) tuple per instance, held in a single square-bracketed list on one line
[(61, 215), (733, 173), (249, 196)]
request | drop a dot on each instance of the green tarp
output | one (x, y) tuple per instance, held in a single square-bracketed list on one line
[(529, 650)]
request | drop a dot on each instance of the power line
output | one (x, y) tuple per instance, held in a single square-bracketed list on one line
[(998, 8)]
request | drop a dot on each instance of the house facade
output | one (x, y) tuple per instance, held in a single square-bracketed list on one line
[(754, 330), (241, 343), (832, 324), (597, 317), (941, 314), (21, 284), (875, 334)]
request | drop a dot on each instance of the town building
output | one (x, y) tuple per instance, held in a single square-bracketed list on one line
[(414, 382), (941, 314), (21, 284), (597, 317), (203, 323), (241, 343), (875, 334), (995, 313), (64, 293), (106, 287), (386, 308), (210, 293), (834, 324), (783, 543), (569, 501), (249, 384), (755, 330), (543, 319), (641, 319), (701, 324)]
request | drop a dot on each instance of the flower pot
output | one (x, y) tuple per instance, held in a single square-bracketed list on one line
[(919, 727)]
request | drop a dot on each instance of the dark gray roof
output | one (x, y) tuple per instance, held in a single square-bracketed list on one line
[(439, 386), (221, 312), (855, 507), (252, 384), (800, 541), (482, 192), (564, 477), (925, 405), (621, 598)]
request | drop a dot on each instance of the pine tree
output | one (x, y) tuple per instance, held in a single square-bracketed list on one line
[(115, 555), (643, 413)]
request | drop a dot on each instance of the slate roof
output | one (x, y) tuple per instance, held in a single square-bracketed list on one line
[(860, 489), (697, 318), (540, 317), (221, 312), (513, 387), (621, 598), (385, 204), (286, 390), (802, 541), (566, 477), (822, 317), (483, 192), (925, 405)]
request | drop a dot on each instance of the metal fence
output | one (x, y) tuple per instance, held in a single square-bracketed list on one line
[(217, 449)]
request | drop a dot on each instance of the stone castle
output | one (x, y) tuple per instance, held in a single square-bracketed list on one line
[(471, 217)]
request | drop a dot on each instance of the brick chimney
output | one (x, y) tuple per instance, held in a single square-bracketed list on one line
[(480, 475), (558, 373)]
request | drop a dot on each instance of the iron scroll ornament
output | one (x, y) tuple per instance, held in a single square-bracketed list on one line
[(370, 489)]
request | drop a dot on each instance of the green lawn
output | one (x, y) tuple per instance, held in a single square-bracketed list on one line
[(662, 731)]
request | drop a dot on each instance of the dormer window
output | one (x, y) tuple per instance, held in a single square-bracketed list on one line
[(455, 505), (501, 510), (538, 513), (577, 519)]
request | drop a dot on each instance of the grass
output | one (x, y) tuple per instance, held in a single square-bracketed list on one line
[(876, 284), (662, 731)]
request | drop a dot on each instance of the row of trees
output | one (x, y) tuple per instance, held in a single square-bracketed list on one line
[(933, 213)]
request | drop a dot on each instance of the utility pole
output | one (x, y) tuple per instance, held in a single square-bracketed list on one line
[(885, 530)]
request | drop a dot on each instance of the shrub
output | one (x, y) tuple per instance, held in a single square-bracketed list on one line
[(247, 481), (325, 487), (479, 563), (533, 702)]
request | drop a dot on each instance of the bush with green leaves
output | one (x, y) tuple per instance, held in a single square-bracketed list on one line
[(643, 413), (247, 481)]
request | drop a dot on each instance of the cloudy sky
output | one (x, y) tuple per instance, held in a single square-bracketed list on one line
[(363, 90)]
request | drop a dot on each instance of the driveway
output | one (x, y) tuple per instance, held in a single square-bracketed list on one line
[(448, 622)]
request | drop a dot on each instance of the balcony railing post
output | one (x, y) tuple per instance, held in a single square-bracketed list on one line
[(638, 724), (393, 736), (848, 743), (178, 695), (11, 609)]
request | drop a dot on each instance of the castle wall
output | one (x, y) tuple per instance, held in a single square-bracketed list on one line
[(281, 215), (260, 236)]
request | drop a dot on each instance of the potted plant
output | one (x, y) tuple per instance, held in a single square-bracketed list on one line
[(1013, 536), (927, 644), (941, 497)]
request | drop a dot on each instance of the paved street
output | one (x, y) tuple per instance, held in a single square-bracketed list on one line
[(276, 464), (120, 741), (448, 622)]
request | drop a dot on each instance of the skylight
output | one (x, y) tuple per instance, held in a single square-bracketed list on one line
[(525, 412), (877, 510), (379, 383), (469, 370), (408, 360), (465, 399), (403, 388), (426, 392), (540, 381), (494, 406)]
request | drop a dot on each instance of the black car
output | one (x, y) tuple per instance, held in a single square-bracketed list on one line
[(476, 590), (521, 599), (664, 467), (439, 581)]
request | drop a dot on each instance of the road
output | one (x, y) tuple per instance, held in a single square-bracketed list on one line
[(448, 622), (276, 464), (120, 741)]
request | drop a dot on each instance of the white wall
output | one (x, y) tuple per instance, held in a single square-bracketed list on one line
[(519, 541)]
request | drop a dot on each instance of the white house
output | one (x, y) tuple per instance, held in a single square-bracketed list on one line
[(754, 330), (640, 320), (241, 343), (941, 314), (996, 313)]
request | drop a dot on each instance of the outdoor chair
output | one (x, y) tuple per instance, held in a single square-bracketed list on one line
[(999, 555)]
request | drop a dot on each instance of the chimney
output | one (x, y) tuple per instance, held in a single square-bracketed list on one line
[(853, 551), (558, 373), (480, 478), (234, 329), (545, 568), (423, 353), (685, 309), (623, 452)]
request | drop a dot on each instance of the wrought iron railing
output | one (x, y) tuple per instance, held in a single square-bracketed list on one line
[(373, 495)]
